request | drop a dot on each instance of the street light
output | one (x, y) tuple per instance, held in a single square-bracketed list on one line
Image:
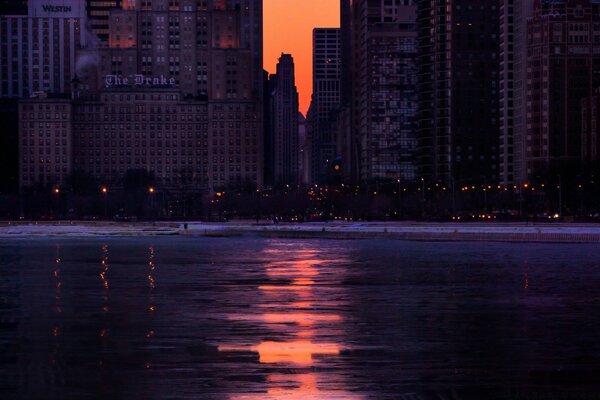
[(104, 191), (56, 192), (151, 191)]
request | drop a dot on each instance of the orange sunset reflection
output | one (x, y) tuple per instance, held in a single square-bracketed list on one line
[(291, 307)]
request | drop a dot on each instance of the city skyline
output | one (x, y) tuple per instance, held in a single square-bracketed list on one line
[(406, 96), (299, 199), (283, 34)]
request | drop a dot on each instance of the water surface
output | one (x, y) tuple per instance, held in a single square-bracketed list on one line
[(244, 318)]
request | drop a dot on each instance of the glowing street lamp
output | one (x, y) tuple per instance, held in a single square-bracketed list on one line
[(56, 192), (104, 191)]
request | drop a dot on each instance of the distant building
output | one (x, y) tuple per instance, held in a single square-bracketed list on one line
[(514, 15), (39, 50), (326, 97), (347, 141), (45, 141), (304, 152), (212, 49), (175, 88), (284, 114), (458, 91), (590, 134), (384, 57), (107, 134), (563, 69), (98, 14)]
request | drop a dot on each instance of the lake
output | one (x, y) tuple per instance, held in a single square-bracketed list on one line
[(255, 318)]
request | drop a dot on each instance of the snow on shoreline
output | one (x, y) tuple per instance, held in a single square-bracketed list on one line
[(456, 231)]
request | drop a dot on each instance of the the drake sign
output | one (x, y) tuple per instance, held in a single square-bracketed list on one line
[(138, 80)]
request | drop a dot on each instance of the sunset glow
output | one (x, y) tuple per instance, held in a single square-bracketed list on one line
[(288, 26)]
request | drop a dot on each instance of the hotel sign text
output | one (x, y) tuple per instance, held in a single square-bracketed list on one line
[(137, 80), (49, 8)]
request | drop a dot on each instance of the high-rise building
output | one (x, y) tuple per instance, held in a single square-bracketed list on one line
[(46, 141), (458, 90), (284, 115), (212, 49), (176, 90), (98, 13), (38, 51), (39, 45), (563, 68), (325, 101), (384, 88), (347, 143), (303, 160), (590, 134), (514, 15), (104, 135)]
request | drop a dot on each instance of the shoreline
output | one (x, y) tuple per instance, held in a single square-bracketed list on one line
[(495, 231)]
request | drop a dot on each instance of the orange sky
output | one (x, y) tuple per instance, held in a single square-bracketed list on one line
[(288, 26)]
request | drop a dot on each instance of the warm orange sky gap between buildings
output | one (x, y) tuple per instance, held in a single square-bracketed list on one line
[(288, 26)]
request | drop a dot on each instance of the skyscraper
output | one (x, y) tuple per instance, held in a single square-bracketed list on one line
[(347, 143), (184, 80), (284, 114), (39, 45), (590, 134), (384, 106), (39, 50), (325, 100), (98, 12), (514, 15), (458, 90), (563, 68)]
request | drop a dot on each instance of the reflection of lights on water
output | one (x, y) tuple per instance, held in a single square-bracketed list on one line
[(300, 320), (300, 387), (298, 353), (103, 278), (151, 268), (151, 281), (303, 282), (105, 266), (55, 331), (58, 283), (152, 286)]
